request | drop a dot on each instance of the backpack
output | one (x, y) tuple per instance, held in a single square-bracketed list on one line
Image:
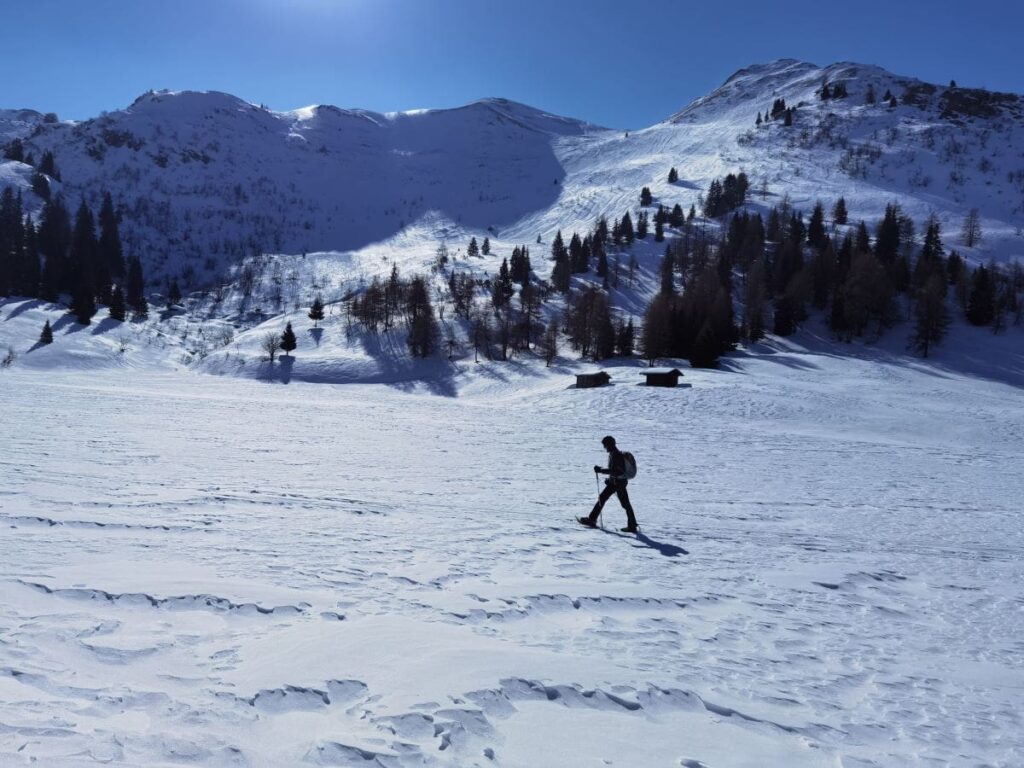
[(629, 465)]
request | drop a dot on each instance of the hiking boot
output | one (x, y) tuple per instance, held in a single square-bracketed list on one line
[(630, 529), (586, 521)]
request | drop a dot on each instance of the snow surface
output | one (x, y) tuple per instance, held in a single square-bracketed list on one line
[(219, 571)]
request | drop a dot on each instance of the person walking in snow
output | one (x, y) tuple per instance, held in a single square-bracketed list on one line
[(614, 485)]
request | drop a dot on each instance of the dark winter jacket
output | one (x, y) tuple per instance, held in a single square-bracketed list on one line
[(616, 465)]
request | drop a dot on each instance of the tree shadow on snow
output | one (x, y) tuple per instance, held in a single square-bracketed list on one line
[(317, 334), (104, 325), (64, 321), (23, 306)]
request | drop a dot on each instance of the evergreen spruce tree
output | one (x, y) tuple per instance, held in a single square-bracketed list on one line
[(473, 250), (659, 232), (110, 251), (839, 214), (971, 230), (316, 311), (48, 165), (549, 343), (46, 337), (931, 318), (645, 196), (485, 249), (667, 272), (626, 228), (624, 339), (117, 305), (931, 259), (135, 290), (83, 265), (981, 304), (706, 348), (673, 175), (785, 320), (288, 340), (641, 226), (816, 226), (173, 294)]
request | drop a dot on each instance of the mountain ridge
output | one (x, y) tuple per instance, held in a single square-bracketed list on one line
[(203, 178)]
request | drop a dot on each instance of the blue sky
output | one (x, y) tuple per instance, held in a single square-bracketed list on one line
[(620, 64)]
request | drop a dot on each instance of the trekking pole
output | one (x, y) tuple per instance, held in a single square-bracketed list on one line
[(600, 515)]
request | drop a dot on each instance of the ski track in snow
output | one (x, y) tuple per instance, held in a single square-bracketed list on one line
[(243, 574)]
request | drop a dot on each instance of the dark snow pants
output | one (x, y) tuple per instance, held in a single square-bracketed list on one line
[(613, 487)]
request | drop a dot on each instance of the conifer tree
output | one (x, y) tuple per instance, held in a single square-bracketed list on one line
[(816, 226), (83, 258), (485, 249), (981, 302), (473, 250), (135, 290), (549, 343), (641, 225), (705, 352), (316, 311), (645, 196), (41, 186), (971, 230), (173, 293), (667, 272), (110, 252), (288, 340), (673, 175), (46, 337), (117, 306), (931, 318), (839, 214), (624, 339), (626, 228), (48, 165)]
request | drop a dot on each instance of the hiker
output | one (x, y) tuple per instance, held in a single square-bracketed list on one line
[(615, 484)]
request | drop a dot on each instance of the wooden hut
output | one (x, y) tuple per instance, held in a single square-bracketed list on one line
[(588, 380), (662, 377)]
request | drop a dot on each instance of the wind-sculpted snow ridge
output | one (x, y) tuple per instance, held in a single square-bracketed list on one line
[(176, 603), (815, 583)]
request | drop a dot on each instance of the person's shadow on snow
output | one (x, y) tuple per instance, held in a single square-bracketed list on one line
[(662, 548)]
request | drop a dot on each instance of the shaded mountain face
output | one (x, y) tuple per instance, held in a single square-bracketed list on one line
[(203, 179)]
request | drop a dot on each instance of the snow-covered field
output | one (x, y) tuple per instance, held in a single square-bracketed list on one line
[(217, 571)]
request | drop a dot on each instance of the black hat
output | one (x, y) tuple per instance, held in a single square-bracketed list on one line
[(607, 440)]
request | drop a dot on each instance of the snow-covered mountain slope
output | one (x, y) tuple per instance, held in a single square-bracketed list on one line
[(203, 179), (20, 123), (944, 152)]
